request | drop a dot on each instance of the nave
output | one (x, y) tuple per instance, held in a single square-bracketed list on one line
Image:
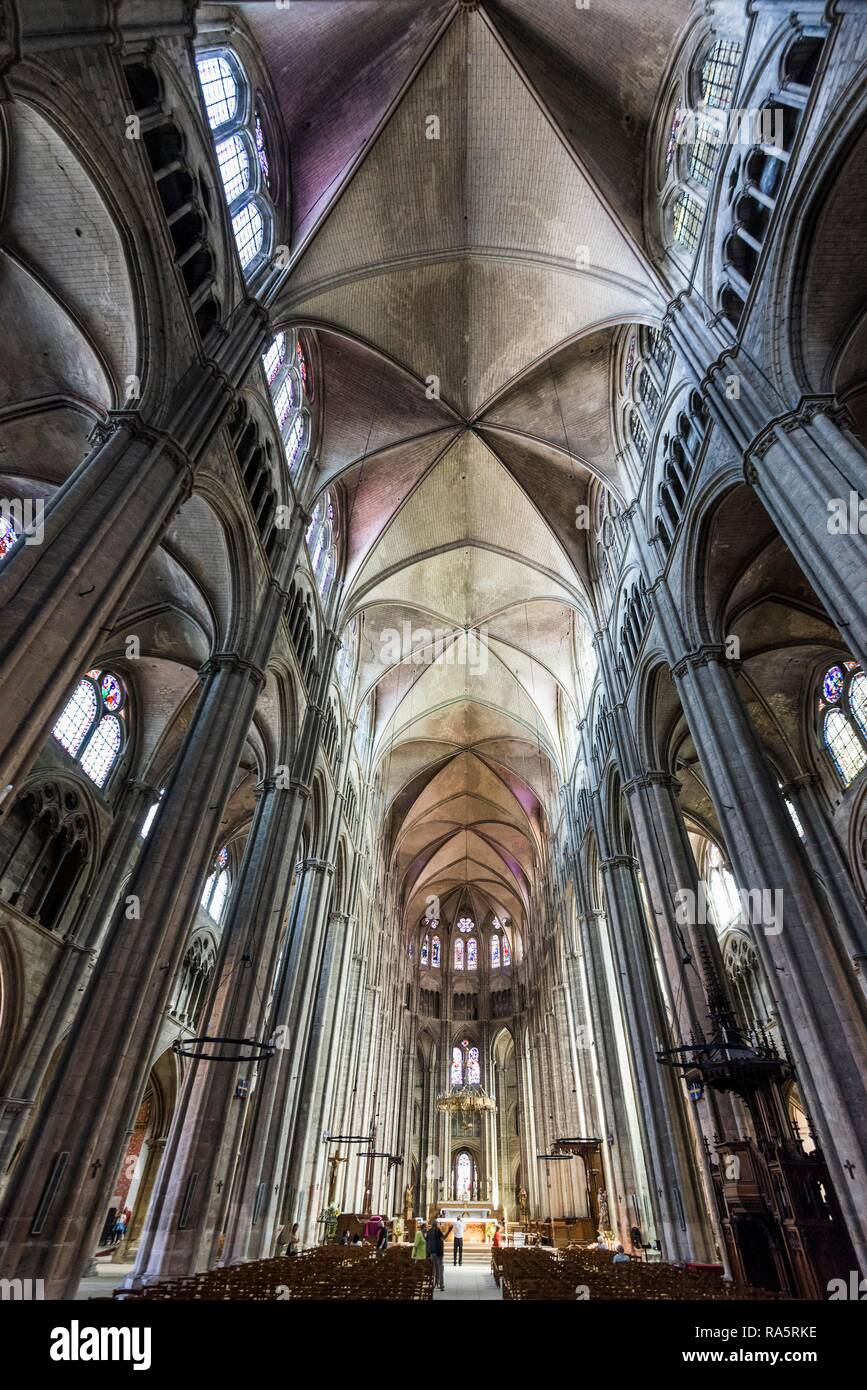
[(433, 625)]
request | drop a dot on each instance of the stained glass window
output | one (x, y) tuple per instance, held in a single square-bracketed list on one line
[(457, 1074), (284, 400), (721, 888), (673, 136), (687, 220), (843, 711), (77, 718), (262, 150), (219, 895), (249, 231), (495, 953), (842, 742), (507, 952), (102, 749), (639, 435), (465, 924), (245, 180), (234, 162), (111, 692), (425, 950), (719, 72), (858, 700), (88, 727), (702, 155), (660, 349), (220, 90), (274, 358), (471, 954), (832, 685), (459, 954), (294, 442), (435, 953), (223, 858), (8, 536), (630, 359), (648, 392), (303, 368), (474, 1071), (465, 1177)]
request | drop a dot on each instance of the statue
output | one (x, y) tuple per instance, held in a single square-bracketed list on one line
[(522, 1203), (603, 1210), (407, 1204), (332, 1181)]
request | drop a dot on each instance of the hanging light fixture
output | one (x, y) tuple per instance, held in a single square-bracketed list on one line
[(465, 1099)]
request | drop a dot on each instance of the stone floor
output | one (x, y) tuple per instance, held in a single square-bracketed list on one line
[(107, 1278), (471, 1281)]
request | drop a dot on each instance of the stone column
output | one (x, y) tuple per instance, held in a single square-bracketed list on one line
[(682, 1225), (820, 1005), (59, 1191), (309, 1154), (62, 994), (831, 869), (100, 527), (206, 1130)]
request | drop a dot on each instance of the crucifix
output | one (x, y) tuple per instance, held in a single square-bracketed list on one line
[(849, 1166), (332, 1181)]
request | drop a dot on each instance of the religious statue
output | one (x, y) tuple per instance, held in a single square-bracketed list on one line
[(603, 1209), (522, 1203), (334, 1161), (407, 1204)]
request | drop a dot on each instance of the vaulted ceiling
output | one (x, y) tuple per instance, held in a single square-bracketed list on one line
[(467, 241)]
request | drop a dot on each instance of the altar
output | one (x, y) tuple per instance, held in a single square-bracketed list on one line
[(479, 1220)]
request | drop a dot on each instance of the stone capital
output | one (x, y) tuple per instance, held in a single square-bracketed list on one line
[(132, 423), (618, 861), (231, 661), (806, 411), (705, 655), (653, 777)]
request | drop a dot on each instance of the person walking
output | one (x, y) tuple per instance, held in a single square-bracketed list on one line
[(419, 1245), (458, 1249), (435, 1247), (382, 1238)]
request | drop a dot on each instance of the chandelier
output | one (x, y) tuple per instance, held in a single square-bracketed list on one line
[(464, 1100)]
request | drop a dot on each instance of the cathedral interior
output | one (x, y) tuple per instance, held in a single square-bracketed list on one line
[(433, 613)]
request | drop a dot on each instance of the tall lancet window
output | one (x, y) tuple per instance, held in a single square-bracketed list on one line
[(241, 149), (459, 954), (322, 543), (290, 382), (457, 1072), (216, 890)]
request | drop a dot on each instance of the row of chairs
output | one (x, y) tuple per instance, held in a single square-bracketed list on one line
[(576, 1273), (327, 1273)]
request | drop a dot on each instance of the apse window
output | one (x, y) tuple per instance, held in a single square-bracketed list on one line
[(92, 725), (242, 157)]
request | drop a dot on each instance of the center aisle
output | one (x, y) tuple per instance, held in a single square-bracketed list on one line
[(470, 1280)]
